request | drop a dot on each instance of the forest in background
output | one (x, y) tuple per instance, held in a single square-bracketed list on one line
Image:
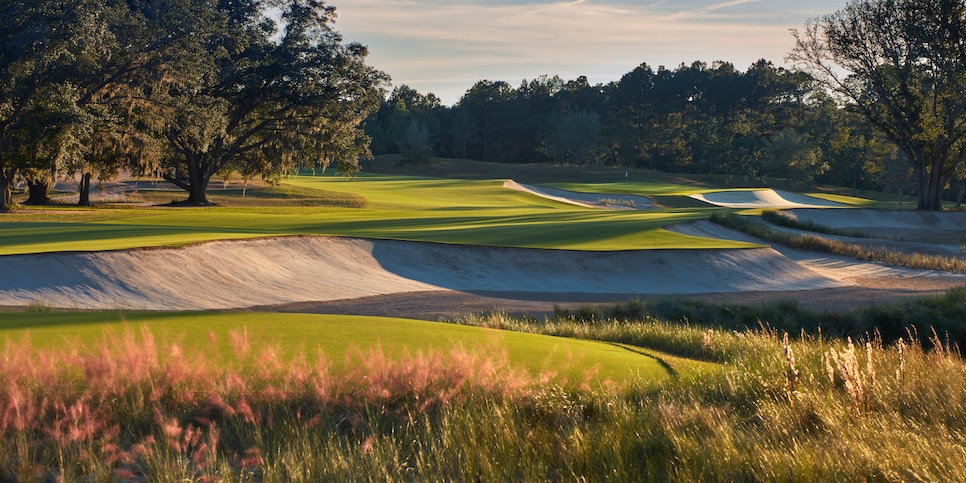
[(186, 92), (765, 122)]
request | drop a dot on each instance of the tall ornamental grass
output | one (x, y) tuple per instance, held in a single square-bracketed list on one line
[(134, 408)]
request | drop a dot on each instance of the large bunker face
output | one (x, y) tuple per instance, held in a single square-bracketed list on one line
[(766, 198)]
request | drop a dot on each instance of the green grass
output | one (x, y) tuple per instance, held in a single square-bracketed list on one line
[(136, 408), (334, 336), (402, 208), (138, 396)]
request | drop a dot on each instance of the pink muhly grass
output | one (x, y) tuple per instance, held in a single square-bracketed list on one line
[(241, 343), (234, 383), (321, 382), (216, 406), (269, 361), (86, 394), (21, 409), (251, 459), (191, 442), (243, 409), (122, 361), (78, 422), (430, 377)]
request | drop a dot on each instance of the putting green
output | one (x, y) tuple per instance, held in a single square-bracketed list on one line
[(333, 335)]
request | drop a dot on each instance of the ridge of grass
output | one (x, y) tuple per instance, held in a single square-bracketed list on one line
[(776, 217), (676, 326), (292, 334)]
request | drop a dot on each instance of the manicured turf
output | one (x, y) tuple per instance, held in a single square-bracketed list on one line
[(333, 336), (403, 208)]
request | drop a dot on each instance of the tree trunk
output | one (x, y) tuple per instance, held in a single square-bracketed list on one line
[(931, 197), (198, 190), (924, 189), (38, 193), (6, 190), (85, 190), (932, 184)]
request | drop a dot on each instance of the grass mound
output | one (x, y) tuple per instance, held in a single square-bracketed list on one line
[(291, 335), (133, 407), (382, 207)]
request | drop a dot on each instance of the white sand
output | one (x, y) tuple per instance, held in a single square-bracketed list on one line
[(269, 271), (883, 219), (844, 270), (765, 198), (589, 200), (235, 274)]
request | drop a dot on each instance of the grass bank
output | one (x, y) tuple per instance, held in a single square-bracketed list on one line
[(132, 408), (327, 336)]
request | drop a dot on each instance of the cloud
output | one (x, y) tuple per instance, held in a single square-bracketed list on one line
[(420, 40), (704, 11)]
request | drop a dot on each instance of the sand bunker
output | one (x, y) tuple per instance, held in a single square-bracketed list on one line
[(236, 274), (589, 200), (885, 219), (845, 270), (766, 198)]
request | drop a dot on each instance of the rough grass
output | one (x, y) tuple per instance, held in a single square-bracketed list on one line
[(776, 217), (946, 314), (134, 409)]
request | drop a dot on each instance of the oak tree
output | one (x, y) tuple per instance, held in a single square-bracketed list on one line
[(902, 64), (262, 92)]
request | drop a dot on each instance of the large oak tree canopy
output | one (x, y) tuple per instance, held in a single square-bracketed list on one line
[(902, 63), (267, 91), (193, 87)]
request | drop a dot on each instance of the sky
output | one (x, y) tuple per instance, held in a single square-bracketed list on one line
[(446, 46)]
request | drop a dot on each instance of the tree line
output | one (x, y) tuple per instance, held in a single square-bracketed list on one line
[(875, 100), (188, 90), (179, 88), (765, 121)]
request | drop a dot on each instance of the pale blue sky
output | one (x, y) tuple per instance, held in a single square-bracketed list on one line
[(444, 47)]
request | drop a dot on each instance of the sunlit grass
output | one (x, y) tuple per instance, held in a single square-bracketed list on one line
[(137, 407), (293, 334), (402, 208)]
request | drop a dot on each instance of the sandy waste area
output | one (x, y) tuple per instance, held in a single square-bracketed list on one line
[(289, 270)]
